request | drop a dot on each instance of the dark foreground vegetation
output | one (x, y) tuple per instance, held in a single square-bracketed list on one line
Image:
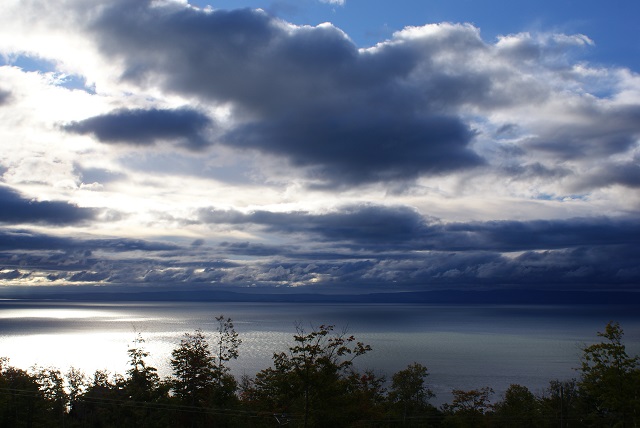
[(311, 384)]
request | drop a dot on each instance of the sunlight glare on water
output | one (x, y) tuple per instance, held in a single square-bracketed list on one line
[(57, 313)]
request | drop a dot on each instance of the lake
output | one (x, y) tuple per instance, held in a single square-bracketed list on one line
[(464, 347)]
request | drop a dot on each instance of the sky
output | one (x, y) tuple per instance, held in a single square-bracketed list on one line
[(328, 146)]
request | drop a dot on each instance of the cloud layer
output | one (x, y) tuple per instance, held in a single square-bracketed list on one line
[(354, 248), (185, 145)]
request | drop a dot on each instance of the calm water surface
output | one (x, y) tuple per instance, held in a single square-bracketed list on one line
[(463, 346)]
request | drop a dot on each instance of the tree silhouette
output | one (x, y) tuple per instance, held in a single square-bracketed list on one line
[(518, 408), (610, 381), (469, 407), (409, 391), (311, 377), (193, 368)]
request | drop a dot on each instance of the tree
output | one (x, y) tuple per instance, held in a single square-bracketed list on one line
[(22, 402), (367, 396), (102, 404), (409, 391), (51, 384), (468, 408), (202, 379), (142, 387), (142, 380), (228, 343), (560, 404), (518, 408), (610, 379), (76, 384), (193, 368), (311, 378)]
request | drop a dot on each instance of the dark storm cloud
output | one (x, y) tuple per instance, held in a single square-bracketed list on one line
[(538, 234), (28, 240), (359, 247), (459, 252), (127, 244), (146, 127), (360, 147), (252, 249), (80, 260), (357, 223), (306, 93), (378, 228), (24, 240), (575, 267), (18, 210)]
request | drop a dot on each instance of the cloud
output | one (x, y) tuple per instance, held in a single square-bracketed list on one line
[(305, 94), (600, 132), (253, 249), (347, 116), (358, 223), (5, 97), (281, 122), (41, 258), (357, 247), (98, 175), (360, 147), (18, 210), (146, 127), (28, 240), (379, 228), (431, 101), (24, 240), (197, 243), (615, 173), (505, 236)]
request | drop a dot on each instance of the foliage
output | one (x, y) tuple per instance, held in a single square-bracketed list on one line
[(610, 381), (76, 384), (518, 408), (51, 384), (142, 381), (228, 343), (560, 404), (409, 394), (311, 379), (142, 385), (368, 395), (201, 379), (193, 368), (22, 402), (468, 408)]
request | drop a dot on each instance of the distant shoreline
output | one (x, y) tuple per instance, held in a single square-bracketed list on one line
[(139, 294)]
